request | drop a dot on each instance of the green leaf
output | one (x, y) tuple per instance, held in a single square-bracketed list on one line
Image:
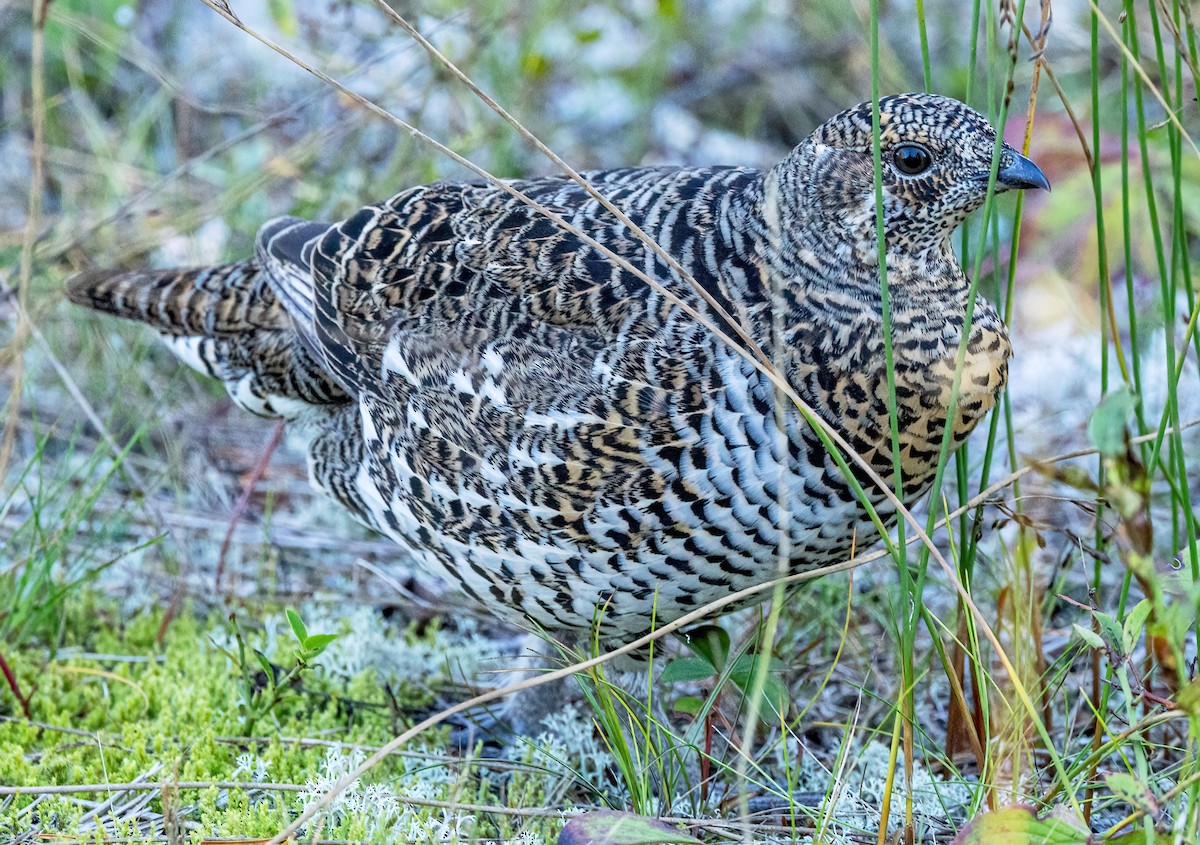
[(535, 65), (1188, 698), (689, 704), (298, 626), (742, 673), (1138, 837), (773, 702), (773, 707), (1110, 631), (317, 643), (284, 16), (710, 642), (744, 666), (686, 669), (605, 827), (670, 9), (1132, 791), (1106, 429), (1018, 824), (1135, 622), (266, 666), (1088, 636)]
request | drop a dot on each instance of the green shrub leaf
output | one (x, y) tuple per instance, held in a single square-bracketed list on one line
[(710, 642), (605, 827), (1020, 825), (316, 643), (1135, 623), (1088, 636), (687, 669), (298, 626), (1106, 428), (1133, 791)]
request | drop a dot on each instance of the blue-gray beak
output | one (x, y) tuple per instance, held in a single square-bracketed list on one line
[(1018, 172)]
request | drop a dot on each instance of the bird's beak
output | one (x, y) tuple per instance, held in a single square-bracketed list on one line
[(1019, 173)]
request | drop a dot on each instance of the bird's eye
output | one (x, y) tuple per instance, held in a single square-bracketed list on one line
[(912, 159)]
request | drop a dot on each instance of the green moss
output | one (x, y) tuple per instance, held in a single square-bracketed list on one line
[(117, 707)]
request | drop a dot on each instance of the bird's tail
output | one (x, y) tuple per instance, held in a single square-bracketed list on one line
[(224, 321), (222, 299)]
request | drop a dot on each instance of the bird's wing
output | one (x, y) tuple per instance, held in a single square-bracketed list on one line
[(284, 249), (504, 363), (471, 256), (520, 431)]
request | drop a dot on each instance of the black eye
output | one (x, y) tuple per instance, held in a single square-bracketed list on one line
[(912, 159)]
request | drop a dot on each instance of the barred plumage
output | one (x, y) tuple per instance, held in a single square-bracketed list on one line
[(549, 433)]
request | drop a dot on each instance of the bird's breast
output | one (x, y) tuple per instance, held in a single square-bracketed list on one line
[(928, 391), (845, 379)]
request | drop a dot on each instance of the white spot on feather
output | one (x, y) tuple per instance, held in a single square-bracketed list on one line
[(370, 494), (493, 362), (601, 370), (370, 432), (562, 419), (288, 407), (416, 418), (461, 382), (189, 350), (242, 392), (394, 361), (492, 473), (512, 503), (492, 391)]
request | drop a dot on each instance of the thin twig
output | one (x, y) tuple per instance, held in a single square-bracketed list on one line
[(256, 474)]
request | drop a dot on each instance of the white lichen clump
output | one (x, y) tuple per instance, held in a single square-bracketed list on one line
[(381, 811), (251, 766), (367, 643), (569, 747)]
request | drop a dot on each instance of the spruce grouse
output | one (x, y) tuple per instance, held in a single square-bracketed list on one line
[(548, 433)]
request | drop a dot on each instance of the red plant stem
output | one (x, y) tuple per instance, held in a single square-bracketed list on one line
[(239, 508), (14, 686), (705, 758)]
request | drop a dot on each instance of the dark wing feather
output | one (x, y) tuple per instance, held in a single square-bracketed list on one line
[(503, 362)]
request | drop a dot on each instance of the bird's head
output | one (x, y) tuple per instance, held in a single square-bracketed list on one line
[(936, 156)]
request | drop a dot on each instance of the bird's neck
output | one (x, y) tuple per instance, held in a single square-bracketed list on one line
[(806, 252)]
